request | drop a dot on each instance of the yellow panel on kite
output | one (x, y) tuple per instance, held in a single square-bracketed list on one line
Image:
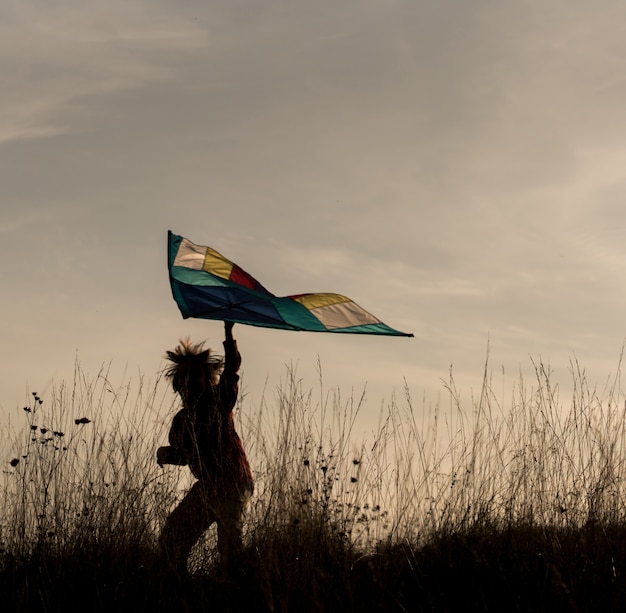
[(217, 264), (314, 301)]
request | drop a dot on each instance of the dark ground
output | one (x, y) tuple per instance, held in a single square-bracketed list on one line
[(517, 569)]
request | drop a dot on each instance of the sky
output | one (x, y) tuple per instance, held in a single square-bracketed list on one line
[(456, 168)]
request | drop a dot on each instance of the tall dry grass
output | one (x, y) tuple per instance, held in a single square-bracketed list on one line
[(81, 469), (338, 520)]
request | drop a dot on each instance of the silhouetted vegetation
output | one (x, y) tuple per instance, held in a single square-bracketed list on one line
[(486, 508)]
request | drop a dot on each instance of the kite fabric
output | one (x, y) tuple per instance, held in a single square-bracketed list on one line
[(208, 286)]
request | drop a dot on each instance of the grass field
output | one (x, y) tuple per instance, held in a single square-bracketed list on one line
[(509, 504)]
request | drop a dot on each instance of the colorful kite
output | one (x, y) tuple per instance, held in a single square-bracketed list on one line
[(208, 286)]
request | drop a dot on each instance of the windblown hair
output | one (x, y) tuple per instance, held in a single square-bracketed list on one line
[(188, 355)]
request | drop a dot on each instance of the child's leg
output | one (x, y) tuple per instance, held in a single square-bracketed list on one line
[(229, 529), (185, 525)]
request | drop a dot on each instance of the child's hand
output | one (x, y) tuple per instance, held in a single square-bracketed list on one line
[(228, 329), (170, 455), (163, 454)]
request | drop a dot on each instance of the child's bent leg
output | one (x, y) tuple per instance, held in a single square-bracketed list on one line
[(185, 525)]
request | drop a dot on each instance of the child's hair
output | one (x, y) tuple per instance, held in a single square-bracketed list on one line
[(188, 355)]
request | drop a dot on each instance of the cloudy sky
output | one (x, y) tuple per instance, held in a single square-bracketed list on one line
[(457, 168)]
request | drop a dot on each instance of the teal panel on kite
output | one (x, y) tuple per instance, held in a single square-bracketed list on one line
[(206, 285)]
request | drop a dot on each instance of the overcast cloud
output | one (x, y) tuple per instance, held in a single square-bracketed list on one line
[(455, 167)]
